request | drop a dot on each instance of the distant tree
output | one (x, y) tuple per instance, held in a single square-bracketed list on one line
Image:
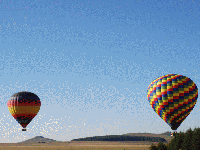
[(161, 146), (187, 141), (180, 139), (153, 147), (170, 146), (174, 143), (196, 139)]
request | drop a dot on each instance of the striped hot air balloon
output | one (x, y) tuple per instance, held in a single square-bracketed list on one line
[(24, 106), (172, 97)]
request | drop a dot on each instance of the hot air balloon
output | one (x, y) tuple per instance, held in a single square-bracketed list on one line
[(24, 106), (172, 97)]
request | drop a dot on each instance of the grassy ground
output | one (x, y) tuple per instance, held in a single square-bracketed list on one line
[(87, 145), (79, 146)]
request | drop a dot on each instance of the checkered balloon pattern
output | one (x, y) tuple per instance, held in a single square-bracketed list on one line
[(172, 97)]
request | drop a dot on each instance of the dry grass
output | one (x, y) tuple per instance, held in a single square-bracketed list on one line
[(87, 145), (78, 146)]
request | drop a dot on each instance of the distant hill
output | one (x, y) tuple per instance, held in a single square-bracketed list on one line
[(122, 138), (166, 133), (150, 137), (38, 139)]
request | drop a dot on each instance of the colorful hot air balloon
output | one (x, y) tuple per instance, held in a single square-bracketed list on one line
[(172, 97), (24, 106)]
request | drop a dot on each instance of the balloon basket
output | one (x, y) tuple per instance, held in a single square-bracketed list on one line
[(23, 129)]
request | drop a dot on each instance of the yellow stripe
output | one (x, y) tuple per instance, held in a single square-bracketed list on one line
[(24, 109)]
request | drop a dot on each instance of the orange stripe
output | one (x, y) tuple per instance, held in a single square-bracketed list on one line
[(24, 109)]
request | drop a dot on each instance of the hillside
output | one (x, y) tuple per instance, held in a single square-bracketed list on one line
[(38, 139), (123, 138), (129, 137)]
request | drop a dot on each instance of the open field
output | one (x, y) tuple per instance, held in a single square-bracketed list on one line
[(87, 145), (78, 146)]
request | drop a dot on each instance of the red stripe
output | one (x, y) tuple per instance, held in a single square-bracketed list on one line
[(159, 85), (165, 103), (170, 89), (31, 116), (25, 103), (175, 86), (181, 94), (169, 79), (175, 97), (164, 82), (24, 125), (163, 93), (158, 96)]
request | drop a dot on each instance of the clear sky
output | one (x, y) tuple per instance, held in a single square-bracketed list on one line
[(91, 62)]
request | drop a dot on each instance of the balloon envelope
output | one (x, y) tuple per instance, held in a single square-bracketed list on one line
[(172, 97), (24, 106)]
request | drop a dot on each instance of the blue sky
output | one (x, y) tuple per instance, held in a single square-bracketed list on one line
[(91, 62)]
